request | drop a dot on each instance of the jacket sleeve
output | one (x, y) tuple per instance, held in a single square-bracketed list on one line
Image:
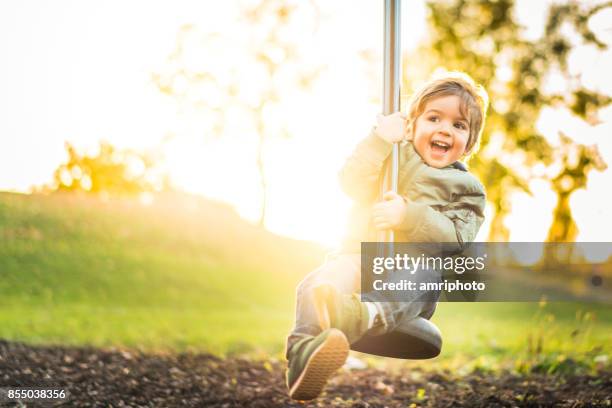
[(360, 175), (456, 223)]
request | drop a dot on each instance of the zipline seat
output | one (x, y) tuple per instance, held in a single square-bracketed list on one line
[(416, 339)]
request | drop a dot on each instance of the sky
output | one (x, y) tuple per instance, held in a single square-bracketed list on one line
[(80, 71)]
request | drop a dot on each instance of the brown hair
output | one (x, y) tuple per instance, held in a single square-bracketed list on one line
[(474, 102)]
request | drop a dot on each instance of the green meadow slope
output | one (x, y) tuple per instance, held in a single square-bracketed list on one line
[(187, 273), (181, 272)]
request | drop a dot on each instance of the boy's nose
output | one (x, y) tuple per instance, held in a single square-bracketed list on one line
[(445, 128), (444, 131)]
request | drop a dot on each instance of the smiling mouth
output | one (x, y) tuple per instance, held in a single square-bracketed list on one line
[(440, 147)]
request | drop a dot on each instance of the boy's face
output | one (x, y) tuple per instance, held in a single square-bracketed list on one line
[(440, 134)]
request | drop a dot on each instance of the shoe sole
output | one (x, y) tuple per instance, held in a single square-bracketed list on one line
[(324, 361)]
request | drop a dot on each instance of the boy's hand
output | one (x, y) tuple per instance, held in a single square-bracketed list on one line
[(389, 213), (392, 128)]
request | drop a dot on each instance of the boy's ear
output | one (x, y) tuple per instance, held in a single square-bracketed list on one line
[(468, 152)]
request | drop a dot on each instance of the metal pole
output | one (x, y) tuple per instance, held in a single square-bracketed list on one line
[(391, 92)]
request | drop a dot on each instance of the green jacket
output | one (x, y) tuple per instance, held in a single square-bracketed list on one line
[(443, 205)]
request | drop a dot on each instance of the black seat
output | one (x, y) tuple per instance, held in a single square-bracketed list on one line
[(417, 339)]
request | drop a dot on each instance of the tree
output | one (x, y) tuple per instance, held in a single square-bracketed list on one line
[(247, 71), (577, 161), (110, 171), (483, 38)]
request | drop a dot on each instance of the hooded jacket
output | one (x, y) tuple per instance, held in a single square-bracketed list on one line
[(442, 205)]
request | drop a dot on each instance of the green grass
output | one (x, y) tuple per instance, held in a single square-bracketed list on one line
[(188, 274)]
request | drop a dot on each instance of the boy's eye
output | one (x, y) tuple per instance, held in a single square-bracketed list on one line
[(433, 119), (460, 125)]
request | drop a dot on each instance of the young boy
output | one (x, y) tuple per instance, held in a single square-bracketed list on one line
[(438, 200)]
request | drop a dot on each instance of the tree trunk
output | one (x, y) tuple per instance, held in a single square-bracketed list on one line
[(261, 222)]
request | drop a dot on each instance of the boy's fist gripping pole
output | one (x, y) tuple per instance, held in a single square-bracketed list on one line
[(392, 128), (389, 213)]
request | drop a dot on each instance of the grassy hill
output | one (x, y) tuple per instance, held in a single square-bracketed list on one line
[(181, 272), (187, 273)]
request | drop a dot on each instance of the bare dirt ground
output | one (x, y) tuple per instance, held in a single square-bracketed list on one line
[(116, 378)]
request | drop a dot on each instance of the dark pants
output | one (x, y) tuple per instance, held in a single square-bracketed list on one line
[(343, 272)]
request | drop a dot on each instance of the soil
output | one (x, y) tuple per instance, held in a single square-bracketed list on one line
[(119, 378)]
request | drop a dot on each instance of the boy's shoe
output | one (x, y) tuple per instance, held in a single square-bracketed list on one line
[(343, 312), (312, 361)]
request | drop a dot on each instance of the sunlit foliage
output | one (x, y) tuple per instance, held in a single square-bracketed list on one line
[(484, 39), (109, 171), (244, 75)]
